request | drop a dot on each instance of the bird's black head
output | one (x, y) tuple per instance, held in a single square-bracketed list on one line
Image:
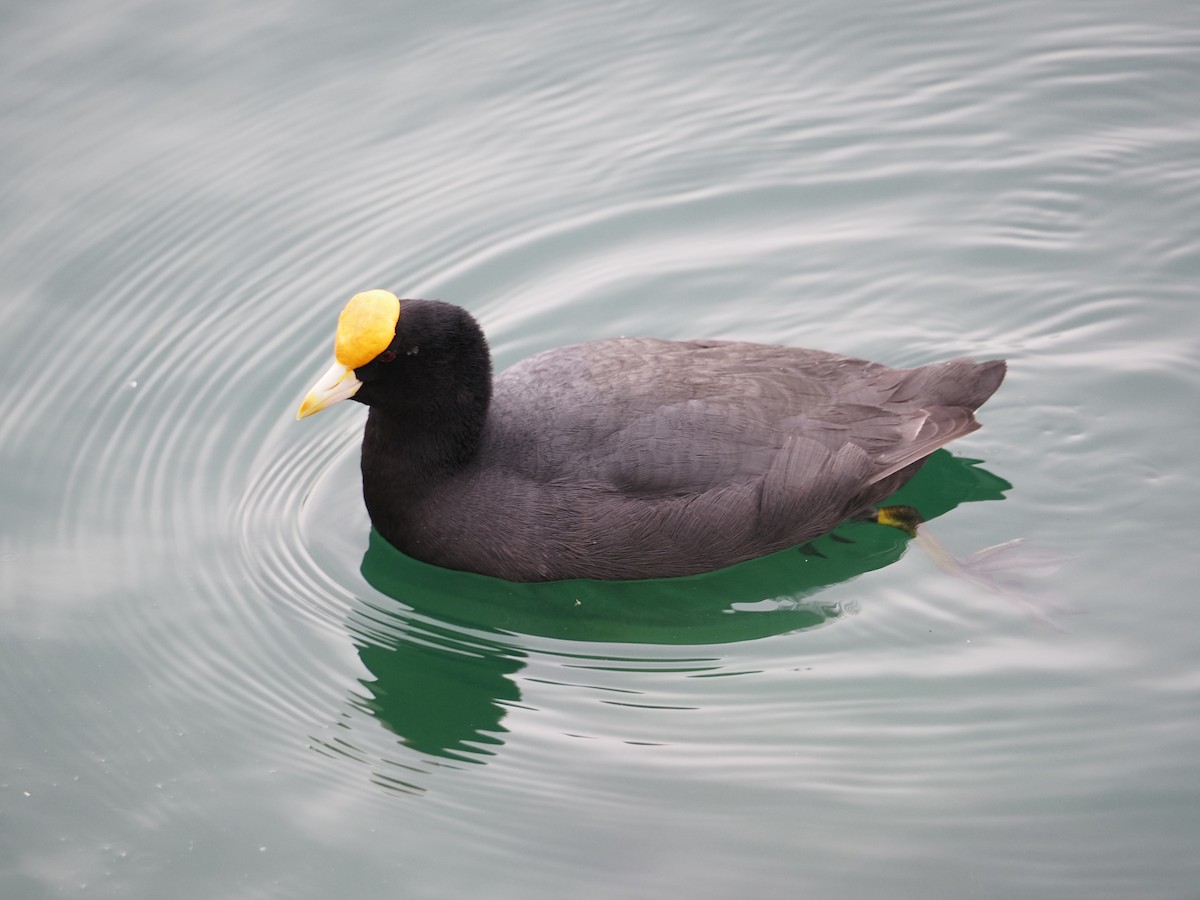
[(437, 365), (421, 365)]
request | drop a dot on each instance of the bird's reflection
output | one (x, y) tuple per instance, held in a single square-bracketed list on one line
[(443, 648)]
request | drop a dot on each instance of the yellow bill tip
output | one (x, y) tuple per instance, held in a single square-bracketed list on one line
[(310, 405), (337, 384)]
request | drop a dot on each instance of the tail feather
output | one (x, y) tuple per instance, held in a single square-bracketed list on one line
[(959, 382)]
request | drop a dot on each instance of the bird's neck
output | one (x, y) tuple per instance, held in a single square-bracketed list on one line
[(410, 444)]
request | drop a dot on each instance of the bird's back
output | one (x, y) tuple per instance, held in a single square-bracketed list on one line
[(633, 458)]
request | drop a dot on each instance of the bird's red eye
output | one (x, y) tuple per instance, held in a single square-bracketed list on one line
[(387, 356)]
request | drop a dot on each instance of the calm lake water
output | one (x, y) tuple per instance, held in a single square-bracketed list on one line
[(218, 683)]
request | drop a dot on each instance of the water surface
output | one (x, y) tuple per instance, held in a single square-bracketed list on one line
[(218, 683)]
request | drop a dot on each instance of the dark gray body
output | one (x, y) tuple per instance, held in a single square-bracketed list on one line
[(643, 458)]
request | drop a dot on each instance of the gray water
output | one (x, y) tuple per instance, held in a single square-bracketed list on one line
[(217, 683)]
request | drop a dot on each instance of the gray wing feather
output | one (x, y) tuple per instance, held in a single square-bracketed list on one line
[(662, 418)]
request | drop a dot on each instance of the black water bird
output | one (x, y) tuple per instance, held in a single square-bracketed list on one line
[(629, 457)]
